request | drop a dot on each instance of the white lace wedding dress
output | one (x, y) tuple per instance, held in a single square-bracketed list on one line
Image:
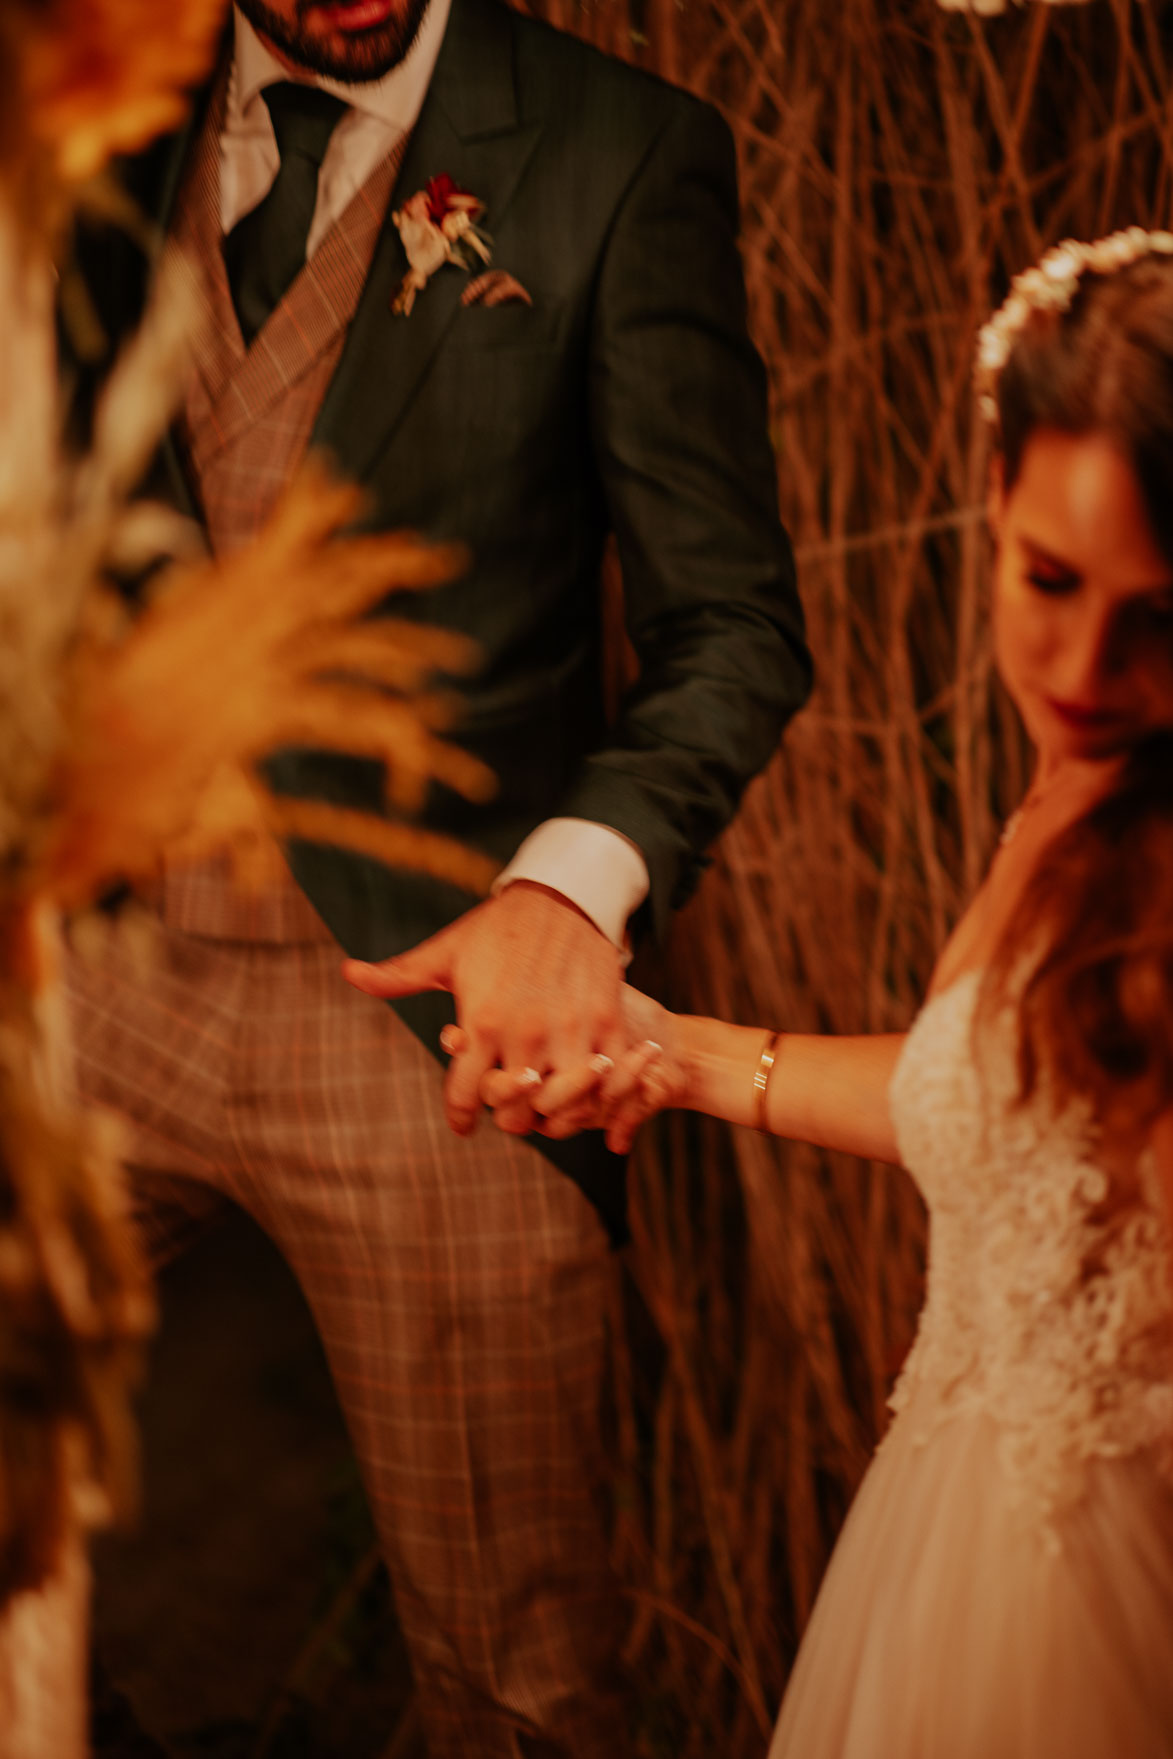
[(1003, 1587)]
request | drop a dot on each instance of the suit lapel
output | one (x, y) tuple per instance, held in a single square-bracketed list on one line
[(470, 127)]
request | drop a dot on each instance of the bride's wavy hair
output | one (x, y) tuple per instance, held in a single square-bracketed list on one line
[(1096, 1011)]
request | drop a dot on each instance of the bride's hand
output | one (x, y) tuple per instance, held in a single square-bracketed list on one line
[(599, 1094), (649, 1079)]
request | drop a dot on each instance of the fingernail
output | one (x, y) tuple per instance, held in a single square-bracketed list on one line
[(653, 1049), (529, 1078), (449, 1038), (601, 1062)]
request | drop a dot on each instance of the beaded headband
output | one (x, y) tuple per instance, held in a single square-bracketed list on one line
[(1051, 286)]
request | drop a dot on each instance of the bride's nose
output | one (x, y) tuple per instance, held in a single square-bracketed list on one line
[(1092, 659)]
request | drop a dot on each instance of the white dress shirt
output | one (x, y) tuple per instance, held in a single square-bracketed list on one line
[(595, 867)]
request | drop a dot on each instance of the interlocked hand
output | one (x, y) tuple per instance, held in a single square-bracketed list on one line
[(537, 990)]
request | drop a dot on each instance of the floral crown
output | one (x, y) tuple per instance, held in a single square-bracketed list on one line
[(1051, 286)]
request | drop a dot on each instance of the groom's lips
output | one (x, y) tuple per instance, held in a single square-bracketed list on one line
[(362, 15)]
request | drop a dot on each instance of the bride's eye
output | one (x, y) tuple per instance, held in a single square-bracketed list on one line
[(1055, 582)]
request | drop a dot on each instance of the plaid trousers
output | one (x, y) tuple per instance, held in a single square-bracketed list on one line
[(460, 1287)]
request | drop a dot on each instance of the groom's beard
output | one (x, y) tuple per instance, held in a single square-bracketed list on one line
[(355, 57)]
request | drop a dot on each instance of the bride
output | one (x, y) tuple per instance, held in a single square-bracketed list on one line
[(1003, 1587)]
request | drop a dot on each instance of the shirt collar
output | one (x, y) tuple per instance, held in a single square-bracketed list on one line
[(394, 100)]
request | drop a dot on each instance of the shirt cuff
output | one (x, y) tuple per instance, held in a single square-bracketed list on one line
[(595, 867)]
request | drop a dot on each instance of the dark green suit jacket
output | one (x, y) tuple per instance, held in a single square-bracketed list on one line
[(627, 398)]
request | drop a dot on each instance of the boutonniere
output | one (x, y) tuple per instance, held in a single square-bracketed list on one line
[(438, 225)]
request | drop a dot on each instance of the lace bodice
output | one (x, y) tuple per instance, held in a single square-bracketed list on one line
[(1042, 1308)]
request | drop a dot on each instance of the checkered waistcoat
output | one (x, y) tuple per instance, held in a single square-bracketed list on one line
[(246, 421)]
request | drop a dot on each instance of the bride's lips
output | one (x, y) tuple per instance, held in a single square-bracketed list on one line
[(1082, 717), (360, 15)]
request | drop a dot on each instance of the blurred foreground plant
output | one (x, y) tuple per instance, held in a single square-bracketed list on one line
[(83, 80), (122, 737)]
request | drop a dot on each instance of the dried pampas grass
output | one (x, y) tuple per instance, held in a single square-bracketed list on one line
[(168, 713), (124, 737), (74, 1308), (85, 80)]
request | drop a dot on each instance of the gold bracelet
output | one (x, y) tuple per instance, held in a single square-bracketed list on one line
[(761, 1079)]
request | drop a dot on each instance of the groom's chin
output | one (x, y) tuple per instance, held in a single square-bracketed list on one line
[(354, 41)]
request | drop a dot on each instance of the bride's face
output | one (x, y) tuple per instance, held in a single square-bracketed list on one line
[(1083, 600)]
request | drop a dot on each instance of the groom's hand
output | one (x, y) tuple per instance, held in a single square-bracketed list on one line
[(537, 987)]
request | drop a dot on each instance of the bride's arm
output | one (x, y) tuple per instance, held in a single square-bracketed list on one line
[(829, 1091), (832, 1092)]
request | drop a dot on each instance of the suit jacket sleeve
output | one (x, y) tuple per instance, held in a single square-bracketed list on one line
[(680, 433)]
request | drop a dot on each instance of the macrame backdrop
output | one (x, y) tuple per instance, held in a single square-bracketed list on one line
[(899, 162)]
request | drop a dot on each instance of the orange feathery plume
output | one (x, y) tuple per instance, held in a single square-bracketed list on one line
[(103, 77), (236, 658)]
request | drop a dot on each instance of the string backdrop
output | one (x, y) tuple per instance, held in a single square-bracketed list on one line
[(898, 163)]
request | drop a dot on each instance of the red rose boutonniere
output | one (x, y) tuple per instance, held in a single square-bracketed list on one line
[(438, 225)]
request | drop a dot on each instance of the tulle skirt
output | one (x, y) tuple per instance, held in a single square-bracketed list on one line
[(948, 1627)]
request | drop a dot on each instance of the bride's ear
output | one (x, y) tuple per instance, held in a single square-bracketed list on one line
[(996, 495)]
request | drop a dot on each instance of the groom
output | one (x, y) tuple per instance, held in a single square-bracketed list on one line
[(594, 377)]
